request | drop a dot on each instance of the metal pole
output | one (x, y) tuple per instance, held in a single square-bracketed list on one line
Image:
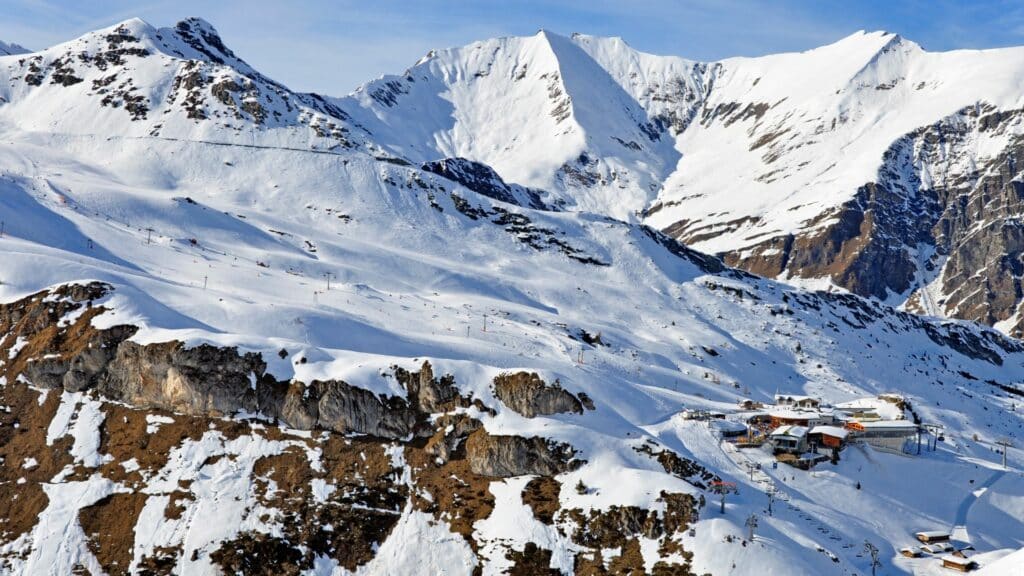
[(1005, 443)]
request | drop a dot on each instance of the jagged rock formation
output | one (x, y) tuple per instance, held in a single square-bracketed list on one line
[(10, 49), (940, 224), (214, 381), (209, 84)]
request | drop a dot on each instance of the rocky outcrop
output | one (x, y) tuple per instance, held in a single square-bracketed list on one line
[(61, 349), (504, 456), (482, 179), (201, 380), (341, 407), (427, 393), (528, 395)]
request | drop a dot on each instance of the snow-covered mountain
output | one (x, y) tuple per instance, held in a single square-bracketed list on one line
[(844, 165), (420, 329), (8, 49)]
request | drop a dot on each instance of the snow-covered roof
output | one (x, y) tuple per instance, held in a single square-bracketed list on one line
[(830, 431), (932, 534), (795, 397), (957, 560), (794, 414), (727, 426), (793, 431), (890, 425), (858, 403)]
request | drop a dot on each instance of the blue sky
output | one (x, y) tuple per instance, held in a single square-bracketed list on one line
[(333, 46)]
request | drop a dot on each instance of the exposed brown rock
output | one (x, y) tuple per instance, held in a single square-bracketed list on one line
[(259, 555), (458, 495), (967, 213), (541, 495), (532, 561), (110, 527), (504, 456), (530, 396), (23, 436)]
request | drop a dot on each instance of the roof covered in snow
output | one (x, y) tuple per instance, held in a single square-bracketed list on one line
[(830, 431), (791, 431)]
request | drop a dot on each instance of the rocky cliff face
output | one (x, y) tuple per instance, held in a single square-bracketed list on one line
[(940, 228)]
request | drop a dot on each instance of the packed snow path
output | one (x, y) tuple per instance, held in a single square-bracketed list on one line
[(959, 530)]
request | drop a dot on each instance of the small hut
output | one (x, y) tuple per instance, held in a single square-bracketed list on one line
[(959, 564), (932, 536)]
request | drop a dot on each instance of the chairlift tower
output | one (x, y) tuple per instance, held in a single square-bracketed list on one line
[(722, 489)]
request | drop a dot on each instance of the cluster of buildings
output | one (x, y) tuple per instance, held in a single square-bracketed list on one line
[(802, 431), (938, 542)]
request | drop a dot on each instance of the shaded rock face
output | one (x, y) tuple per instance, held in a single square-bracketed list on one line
[(943, 211), (530, 396), (201, 380), (338, 406), (427, 393), (482, 179)]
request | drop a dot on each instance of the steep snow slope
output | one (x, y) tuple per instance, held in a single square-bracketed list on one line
[(207, 238), (538, 109)]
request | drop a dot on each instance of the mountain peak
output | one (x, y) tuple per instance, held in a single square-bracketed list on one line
[(202, 38), (873, 42), (10, 49)]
